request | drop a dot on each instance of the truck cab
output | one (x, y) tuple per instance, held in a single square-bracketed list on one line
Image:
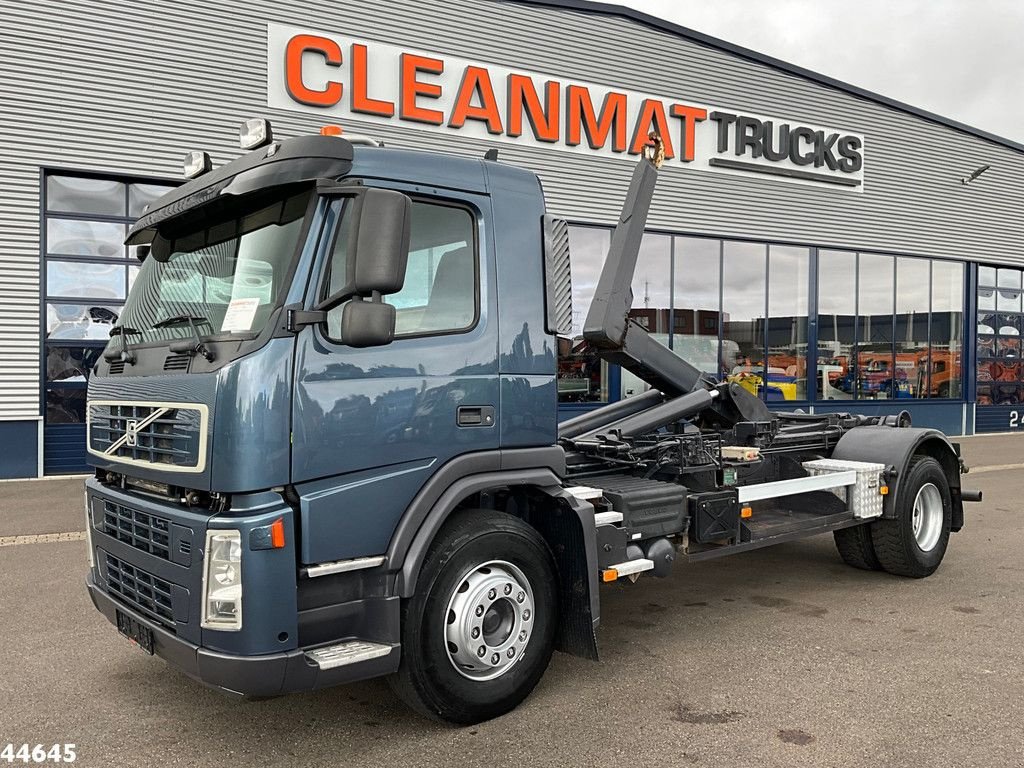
[(326, 447)]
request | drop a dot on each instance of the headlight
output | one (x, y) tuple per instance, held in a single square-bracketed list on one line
[(88, 533), (222, 581)]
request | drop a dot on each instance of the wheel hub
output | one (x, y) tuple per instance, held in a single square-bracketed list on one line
[(489, 620), (927, 517)]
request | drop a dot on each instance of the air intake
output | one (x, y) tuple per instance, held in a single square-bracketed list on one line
[(116, 367), (174, 363)]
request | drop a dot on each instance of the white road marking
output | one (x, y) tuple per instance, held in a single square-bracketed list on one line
[(41, 538)]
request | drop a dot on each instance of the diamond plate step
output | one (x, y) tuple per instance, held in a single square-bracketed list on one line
[(349, 652)]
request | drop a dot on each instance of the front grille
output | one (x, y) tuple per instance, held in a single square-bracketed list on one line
[(142, 591), (141, 530), (167, 436)]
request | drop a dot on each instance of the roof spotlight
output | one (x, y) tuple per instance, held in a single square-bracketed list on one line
[(196, 164), (255, 132)]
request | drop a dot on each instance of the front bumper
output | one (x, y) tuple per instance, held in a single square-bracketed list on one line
[(259, 675)]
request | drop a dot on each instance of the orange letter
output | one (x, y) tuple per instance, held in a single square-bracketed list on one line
[(412, 65), (360, 101), (297, 46), (651, 118), (476, 80), (581, 116), (522, 94), (690, 117)]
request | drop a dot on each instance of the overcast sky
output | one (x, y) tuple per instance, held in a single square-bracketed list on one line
[(962, 59)]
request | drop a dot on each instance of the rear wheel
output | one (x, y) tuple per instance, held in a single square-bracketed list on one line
[(479, 632), (914, 543), (856, 548)]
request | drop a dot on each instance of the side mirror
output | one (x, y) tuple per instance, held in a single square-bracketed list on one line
[(379, 241), (367, 323), (379, 222)]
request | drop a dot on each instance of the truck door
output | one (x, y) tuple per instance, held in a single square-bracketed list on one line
[(371, 425)]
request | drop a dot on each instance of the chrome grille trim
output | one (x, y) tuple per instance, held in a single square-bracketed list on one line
[(171, 437)]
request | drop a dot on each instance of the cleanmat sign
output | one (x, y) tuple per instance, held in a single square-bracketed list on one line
[(346, 79)]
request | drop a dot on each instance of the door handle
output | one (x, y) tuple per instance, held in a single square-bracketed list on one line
[(475, 416)]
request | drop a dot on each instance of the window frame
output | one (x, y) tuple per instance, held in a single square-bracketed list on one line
[(475, 219)]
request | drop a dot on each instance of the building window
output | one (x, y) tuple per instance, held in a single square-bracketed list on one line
[(1000, 373), (788, 287), (582, 375), (87, 272), (744, 282), (887, 327)]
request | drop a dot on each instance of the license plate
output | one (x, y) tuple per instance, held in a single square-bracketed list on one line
[(135, 631)]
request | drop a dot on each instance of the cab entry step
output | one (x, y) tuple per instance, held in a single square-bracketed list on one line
[(349, 652)]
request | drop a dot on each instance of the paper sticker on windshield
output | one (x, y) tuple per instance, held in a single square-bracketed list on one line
[(240, 315)]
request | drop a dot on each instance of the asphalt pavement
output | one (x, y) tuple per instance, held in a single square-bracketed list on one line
[(779, 657)]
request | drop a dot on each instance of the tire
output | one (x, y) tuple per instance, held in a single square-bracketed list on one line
[(900, 549), (496, 563), (856, 548)]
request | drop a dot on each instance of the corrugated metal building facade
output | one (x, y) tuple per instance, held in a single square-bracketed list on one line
[(117, 92)]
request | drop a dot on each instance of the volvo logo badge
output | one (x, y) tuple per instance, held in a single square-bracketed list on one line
[(131, 433)]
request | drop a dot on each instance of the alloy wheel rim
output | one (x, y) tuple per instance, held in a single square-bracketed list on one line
[(489, 620), (927, 517)]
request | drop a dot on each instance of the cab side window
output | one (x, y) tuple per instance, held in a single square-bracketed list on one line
[(440, 291)]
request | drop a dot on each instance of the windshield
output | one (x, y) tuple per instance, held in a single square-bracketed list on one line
[(225, 276)]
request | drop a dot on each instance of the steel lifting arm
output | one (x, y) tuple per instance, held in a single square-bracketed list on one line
[(619, 340)]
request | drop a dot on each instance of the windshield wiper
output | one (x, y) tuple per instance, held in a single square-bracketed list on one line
[(199, 346), (125, 353)]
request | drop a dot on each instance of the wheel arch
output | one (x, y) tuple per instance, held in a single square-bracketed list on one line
[(565, 522), (895, 447)]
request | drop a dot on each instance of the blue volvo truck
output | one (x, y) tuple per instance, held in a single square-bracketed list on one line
[(326, 444)]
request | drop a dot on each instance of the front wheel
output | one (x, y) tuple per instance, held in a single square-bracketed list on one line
[(914, 543), (479, 632)]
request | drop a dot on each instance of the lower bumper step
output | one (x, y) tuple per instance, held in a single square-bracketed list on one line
[(349, 652)]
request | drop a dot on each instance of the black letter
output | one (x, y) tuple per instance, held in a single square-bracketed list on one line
[(823, 150), (848, 149), (753, 139), (723, 119), (769, 143), (794, 146)]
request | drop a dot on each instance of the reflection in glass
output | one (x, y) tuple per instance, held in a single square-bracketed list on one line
[(65, 405), (837, 311), (651, 290), (743, 314), (912, 302), (97, 239), (695, 302), (582, 375), (80, 321), (71, 364), (877, 379), (788, 268), (947, 329), (71, 194), (73, 278), (141, 195), (588, 247), (652, 299)]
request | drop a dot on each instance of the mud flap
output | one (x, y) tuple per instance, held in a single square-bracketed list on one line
[(567, 524)]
